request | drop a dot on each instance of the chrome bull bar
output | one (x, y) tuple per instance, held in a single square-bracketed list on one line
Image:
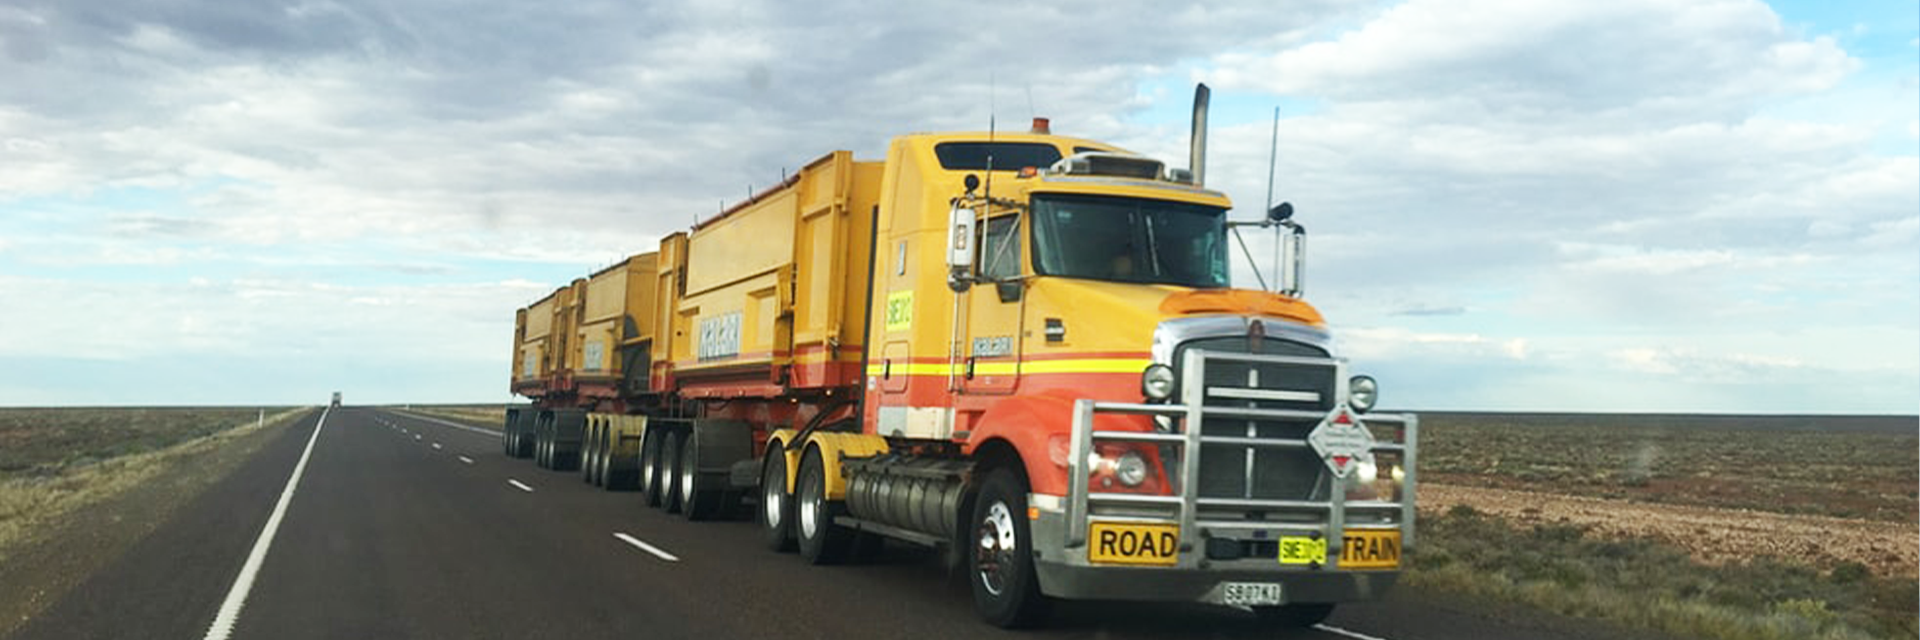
[(1188, 438)]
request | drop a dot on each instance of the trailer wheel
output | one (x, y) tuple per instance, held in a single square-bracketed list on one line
[(522, 448), (597, 476), (1295, 615), (1006, 592), (821, 541), (540, 447), (699, 500), (586, 455), (776, 505), (669, 473), (650, 480)]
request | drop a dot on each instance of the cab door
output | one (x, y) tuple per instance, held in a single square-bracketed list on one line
[(991, 341)]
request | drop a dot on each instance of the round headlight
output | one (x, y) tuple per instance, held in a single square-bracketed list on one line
[(1157, 382), (1131, 469), (1362, 391)]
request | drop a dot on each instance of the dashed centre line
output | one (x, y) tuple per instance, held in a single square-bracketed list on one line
[(518, 484), (643, 546), (436, 445), (466, 459)]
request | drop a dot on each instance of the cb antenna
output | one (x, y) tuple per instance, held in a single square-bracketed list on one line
[(1273, 158)]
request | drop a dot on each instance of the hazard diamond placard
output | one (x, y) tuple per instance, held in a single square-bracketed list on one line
[(1342, 441)]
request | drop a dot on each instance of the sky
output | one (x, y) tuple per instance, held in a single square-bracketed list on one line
[(1514, 205)]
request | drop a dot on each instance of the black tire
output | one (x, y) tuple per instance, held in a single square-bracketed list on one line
[(1006, 591), (1299, 615), (586, 456), (522, 444), (821, 541), (597, 474), (670, 473), (650, 478), (540, 447), (699, 500), (602, 458), (776, 505)]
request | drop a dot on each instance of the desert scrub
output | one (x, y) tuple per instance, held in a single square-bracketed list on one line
[(53, 461), (1652, 585), (1842, 466), (44, 441)]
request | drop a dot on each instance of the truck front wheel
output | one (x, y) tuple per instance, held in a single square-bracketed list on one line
[(1006, 592)]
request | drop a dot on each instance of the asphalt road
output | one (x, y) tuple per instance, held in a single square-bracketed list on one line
[(406, 527)]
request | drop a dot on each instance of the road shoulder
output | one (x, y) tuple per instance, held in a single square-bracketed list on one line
[(74, 546)]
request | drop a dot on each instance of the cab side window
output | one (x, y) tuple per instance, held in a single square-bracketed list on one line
[(999, 247)]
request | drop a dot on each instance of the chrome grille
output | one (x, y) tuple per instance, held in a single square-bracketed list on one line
[(1264, 473)]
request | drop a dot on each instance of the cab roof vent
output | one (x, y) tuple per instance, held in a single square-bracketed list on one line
[(1101, 163)]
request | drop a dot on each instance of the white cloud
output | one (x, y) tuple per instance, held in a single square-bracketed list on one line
[(1499, 190)]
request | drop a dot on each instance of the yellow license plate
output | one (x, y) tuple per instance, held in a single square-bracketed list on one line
[(1361, 549), (1302, 550), (1132, 543), (1370, 549)]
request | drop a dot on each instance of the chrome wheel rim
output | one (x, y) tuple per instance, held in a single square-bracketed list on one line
[(809, 507), (773, 496), (997, 548), (647, 467), (669, 459), (686, 477)]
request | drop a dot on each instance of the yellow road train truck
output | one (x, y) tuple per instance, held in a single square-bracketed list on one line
[(1022, 348)]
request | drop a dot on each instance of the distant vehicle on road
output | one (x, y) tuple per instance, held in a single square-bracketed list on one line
[(336, 399)]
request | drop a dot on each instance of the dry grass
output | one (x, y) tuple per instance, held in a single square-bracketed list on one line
[(1710, 535), (1571, 570), (62, 460), (1770, 527), (1840, 466)]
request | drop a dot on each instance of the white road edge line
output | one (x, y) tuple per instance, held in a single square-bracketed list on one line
[(466, 459), (522, 487), (1351, 634), (444, 423), (229, 613), (646, 547)]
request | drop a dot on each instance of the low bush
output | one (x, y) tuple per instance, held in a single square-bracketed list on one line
[(1653, 585)]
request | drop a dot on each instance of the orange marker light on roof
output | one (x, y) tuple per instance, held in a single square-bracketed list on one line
[(1042, 126)]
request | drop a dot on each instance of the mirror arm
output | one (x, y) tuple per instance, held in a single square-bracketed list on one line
[(1249, 253)]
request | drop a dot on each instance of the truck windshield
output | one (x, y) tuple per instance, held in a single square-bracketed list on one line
[(1130, 240)]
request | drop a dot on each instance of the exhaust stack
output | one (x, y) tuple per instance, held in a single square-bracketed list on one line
[(1197, 152)]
